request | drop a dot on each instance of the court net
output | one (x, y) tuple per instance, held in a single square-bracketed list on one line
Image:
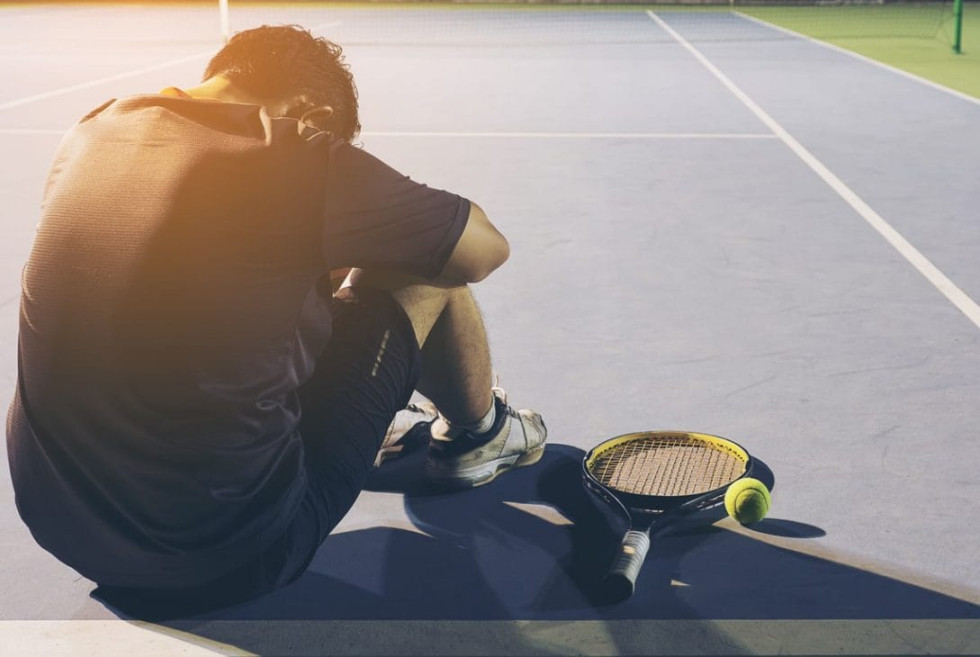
[(474, 25)]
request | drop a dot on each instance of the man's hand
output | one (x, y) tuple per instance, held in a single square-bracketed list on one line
[(337, 278)]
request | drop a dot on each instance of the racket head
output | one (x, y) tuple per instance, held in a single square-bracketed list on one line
[(654, 477), (649, 472)]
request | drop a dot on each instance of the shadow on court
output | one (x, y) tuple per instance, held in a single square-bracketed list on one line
[(533, 546)]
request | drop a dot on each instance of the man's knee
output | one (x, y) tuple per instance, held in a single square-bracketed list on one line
[(423, 300)]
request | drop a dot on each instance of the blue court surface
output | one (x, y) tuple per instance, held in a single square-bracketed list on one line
[(715, 226)]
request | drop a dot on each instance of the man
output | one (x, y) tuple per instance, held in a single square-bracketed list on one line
[(195, 411)]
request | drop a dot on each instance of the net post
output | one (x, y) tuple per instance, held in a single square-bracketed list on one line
[(223, 18), (958, 27)]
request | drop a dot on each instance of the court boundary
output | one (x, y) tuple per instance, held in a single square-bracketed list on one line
[(62, 91), (912, 255), (27, 132), (869, 60), (464, 638), (54, 93)]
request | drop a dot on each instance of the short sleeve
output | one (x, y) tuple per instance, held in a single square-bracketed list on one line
[(375, 217)]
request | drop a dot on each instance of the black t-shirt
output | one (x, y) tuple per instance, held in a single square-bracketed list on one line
[(170, 310)]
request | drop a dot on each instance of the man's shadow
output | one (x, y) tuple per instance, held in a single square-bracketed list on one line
[(534, 545)]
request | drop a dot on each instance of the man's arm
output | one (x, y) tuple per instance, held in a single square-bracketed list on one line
[(480, 250)]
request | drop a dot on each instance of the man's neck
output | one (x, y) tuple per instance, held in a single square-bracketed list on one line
[(221, 88)]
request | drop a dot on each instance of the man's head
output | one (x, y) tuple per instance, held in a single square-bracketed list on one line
[(301, 76)]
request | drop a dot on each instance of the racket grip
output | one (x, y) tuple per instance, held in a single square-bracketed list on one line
[(621, 580)]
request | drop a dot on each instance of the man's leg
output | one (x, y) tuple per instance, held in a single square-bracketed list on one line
[(457, 373), (365, 375), (478, 435)]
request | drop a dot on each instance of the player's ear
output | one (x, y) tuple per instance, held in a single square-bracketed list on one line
[(318, 117), (305, 111)]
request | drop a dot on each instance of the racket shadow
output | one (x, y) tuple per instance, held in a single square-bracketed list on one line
[(534, 545), (566, 553)]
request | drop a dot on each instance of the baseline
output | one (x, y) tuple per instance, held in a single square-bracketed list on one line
[(492, 135), (460, 638)]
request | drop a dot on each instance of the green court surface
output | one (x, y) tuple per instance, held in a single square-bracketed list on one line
[(914, 38)]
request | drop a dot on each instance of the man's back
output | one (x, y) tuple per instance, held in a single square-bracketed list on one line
[(195, 411), (170, 312)]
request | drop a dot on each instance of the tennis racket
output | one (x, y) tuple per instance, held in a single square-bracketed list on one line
[(655, 478)]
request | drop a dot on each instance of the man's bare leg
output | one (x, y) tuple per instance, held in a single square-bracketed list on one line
[(478, 436), (456, 367)]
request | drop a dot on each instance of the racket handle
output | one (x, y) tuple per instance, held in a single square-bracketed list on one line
[(621, 580)]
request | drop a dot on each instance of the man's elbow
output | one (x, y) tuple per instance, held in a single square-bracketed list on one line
[(480, 251), (495, 255)]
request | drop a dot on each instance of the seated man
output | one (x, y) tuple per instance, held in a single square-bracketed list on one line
[(196, 410)]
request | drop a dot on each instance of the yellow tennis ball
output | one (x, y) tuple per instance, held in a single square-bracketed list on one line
[(748, 501)]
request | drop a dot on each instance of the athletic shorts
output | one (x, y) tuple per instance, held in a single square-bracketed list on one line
[(367, 373)]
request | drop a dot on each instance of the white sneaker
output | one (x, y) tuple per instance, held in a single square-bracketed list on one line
[(461, 459), (408, 432)]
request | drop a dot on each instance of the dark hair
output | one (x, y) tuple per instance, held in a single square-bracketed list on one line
[(285, 62)]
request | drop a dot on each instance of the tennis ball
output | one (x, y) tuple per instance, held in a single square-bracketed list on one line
[(747, 500)]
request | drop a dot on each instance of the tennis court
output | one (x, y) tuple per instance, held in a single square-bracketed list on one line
[(716, 225)]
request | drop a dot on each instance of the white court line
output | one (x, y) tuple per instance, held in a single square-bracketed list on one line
[(122, 76), (504, 135), (863, 58), (10, 104), (49, 15), (108, 638), (956, 296), (578, 135), (32, 131)]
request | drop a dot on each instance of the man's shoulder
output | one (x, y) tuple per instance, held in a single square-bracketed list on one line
[(173, 118)]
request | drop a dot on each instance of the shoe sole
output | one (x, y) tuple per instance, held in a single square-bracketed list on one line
[(487, 472)]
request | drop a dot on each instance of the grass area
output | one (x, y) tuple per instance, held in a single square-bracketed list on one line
[(914, 38)]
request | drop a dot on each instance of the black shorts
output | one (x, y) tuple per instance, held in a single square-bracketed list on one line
[(367, 373)]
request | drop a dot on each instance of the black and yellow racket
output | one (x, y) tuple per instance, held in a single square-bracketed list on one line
[(656, 477)]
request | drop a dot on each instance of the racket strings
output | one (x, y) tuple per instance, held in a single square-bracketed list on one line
[(667, 466)]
